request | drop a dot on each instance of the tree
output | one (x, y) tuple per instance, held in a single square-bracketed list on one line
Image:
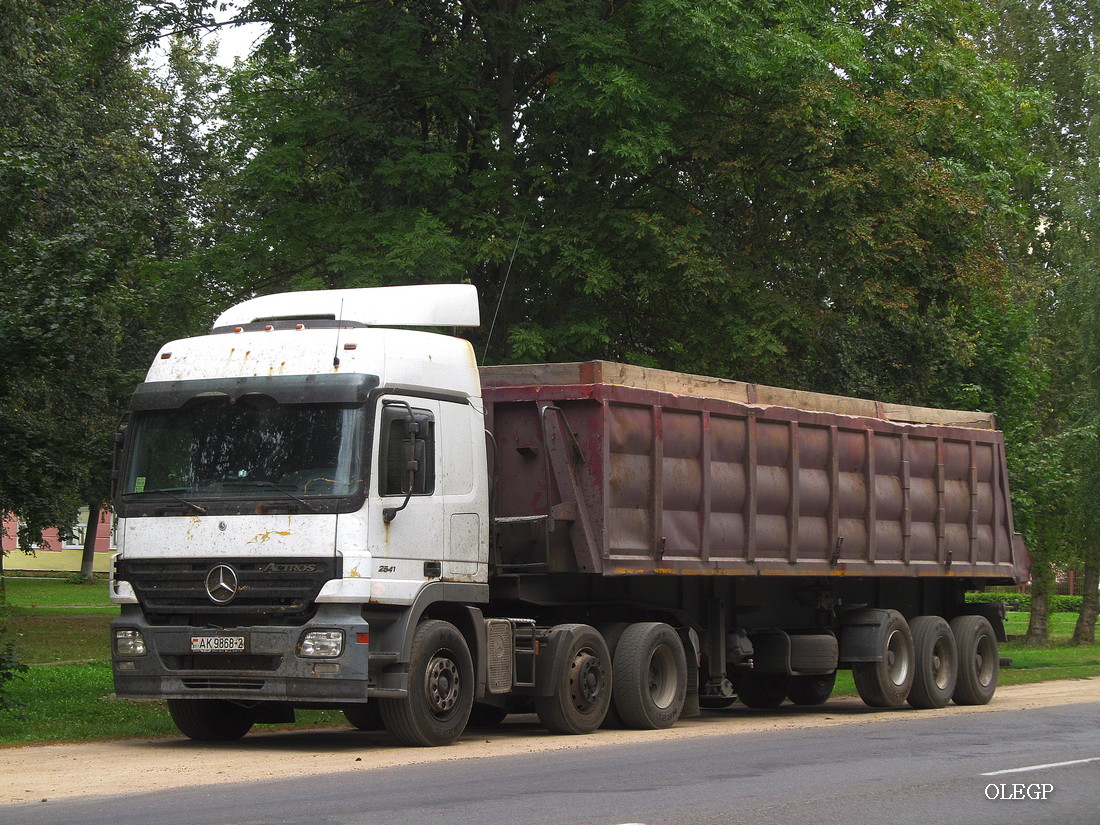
[(797, 195), (1054, 45), (90, 210)]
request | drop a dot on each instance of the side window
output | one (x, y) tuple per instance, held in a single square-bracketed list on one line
[(407, 451)]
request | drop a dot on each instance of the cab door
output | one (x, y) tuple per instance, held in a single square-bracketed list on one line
[(406, 510)]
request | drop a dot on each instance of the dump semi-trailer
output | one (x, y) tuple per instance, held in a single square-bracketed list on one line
[(320, 510)]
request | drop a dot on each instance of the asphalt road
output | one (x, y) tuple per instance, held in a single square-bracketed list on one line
[(1002, 768)]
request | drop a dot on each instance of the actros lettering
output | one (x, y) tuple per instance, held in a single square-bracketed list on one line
[(272, 567)]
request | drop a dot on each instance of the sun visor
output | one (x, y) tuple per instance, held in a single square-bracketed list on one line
[(285, 389)]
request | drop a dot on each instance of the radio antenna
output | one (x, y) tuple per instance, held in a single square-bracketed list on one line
[(503, 286), (339, 327)]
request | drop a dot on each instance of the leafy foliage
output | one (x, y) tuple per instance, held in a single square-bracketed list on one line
[(795, 195), (88, 202)]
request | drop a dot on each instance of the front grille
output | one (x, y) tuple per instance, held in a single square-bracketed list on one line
[(286, 588), (219, 683), (219, 662)]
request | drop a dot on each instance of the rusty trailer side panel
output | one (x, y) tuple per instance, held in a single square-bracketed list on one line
[(625, 479)]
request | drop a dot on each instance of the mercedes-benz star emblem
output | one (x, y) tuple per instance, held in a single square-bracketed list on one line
[(221, 584)]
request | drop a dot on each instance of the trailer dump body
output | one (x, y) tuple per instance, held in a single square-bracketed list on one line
[(663, 473)]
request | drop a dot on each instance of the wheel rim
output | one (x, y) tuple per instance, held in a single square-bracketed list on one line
[(586, 680), (897, 658), (941, 664), (443, 684), (985, 659), (662, 677)]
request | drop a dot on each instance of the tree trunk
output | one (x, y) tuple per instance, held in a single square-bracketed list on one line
[(1085, 630), (1042, 582), (87, 558)]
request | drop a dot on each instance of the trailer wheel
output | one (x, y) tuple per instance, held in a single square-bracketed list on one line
[(811, 690), (886, 684), (211, 720), (979, 660), (762, 691), (582, 685), (716, 702), (937, 661), (441, 689), (650, 676), (364, 716)]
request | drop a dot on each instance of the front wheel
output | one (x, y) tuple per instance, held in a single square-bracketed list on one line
[(979, 660), (441, 689), (582, 684), (211, 720), (366, 716), (650, 676)]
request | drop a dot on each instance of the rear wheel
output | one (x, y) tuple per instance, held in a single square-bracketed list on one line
[(936, 659), (979, 660), (487, 716), (211, 720), (886, 683), (650, 676), (582, 685), (761, 690), (811, 690), (441, 689)]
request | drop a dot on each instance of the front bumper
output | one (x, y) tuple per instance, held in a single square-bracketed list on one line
[(270, 670)]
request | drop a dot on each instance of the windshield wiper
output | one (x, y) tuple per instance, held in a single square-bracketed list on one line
[(271, 485), (170, 494)]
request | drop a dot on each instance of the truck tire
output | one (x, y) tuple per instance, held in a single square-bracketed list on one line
[(762, 691), (811, 690), (211, 720), (441, 689), (366, 716), (582, 685), (650, 676), (979, 660), (486, 716), (611, 633), (886, 683), (937, 662)]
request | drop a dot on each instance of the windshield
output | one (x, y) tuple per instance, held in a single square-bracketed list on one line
[(254, 447)]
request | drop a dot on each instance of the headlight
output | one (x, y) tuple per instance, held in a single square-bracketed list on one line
[(130, 643), (321, 644)]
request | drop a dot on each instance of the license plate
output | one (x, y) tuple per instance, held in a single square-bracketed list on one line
[(219, 644)]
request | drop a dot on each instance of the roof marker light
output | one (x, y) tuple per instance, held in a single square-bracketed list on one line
[(164, 356)]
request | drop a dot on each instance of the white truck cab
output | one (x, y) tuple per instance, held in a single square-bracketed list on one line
[(283, 476)]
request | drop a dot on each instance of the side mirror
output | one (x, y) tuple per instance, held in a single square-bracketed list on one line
[(414, 452)]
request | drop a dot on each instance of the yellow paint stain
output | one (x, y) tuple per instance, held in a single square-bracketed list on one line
[(264, 537)]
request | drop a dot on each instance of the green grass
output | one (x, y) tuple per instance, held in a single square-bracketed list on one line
[(1059, 625), (32, 596), (65, 703), (61, 630)]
